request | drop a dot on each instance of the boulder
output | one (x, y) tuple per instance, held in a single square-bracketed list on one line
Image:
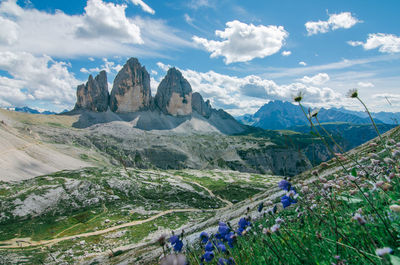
[(94, 94), (131, 89), (174, 94)]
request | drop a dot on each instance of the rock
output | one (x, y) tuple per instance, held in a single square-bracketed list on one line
[(107, 221), (201, 107), (94, 94), (174, 94), (131, 89)]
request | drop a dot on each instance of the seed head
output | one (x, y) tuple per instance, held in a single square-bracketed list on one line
[(352, 93)]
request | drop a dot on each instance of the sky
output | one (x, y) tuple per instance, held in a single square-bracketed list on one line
[(238, 54)]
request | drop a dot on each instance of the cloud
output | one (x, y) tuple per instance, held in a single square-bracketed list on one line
[(196, 4), (188, 19), (240, 95), (385, 98), (242, 42), (365, 84), (343, 20), (144, 6), (103, 29), (108, 66), (35, 78), (163, 67), (317, 79), (303, 63), (286, 53), (387, 43)]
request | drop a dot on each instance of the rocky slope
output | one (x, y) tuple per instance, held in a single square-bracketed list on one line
[(94, 94)]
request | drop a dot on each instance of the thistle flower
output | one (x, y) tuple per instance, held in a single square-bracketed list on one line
[(352, 93), (174, 259), (299, 96), (358, 217), (315, 112), (275, 228), (383, 251), (395, 208)]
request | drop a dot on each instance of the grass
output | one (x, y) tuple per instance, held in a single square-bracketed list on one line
[(339, 218)]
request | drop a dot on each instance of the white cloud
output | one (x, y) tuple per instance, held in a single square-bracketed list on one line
[(286, 53), (387, 43), (239, 95), (303, 63), (188, 19), (36, 78), (91, 59), (242, 42), (103, 29), (108, 20), (163, 67), (196, 4), (108, 66), (153, 72), (388, 98), (144, 6), (365, 84), (317, 79), (343, 20)]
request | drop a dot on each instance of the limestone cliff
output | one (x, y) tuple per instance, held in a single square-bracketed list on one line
[(94, 94), (174, 94), (131, 89)]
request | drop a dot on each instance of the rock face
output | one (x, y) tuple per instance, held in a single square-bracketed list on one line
[(174, 94), (94, 94), (131, 89), (201, 107)]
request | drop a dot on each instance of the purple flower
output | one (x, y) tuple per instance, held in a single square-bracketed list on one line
[(260, 207), (204, 237), (209, 246), (221, 247), (284, 185), (173, 239), (287, 201), (178, 246), (208, 256)]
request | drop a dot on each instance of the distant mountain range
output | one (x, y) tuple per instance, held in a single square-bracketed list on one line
[(34, 111), (278, 115)]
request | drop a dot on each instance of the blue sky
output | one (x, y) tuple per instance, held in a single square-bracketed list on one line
[(238, 54)]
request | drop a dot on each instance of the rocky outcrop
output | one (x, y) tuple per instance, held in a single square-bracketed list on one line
[(174, 94), (201, 107), (131, 89), (94, 94)]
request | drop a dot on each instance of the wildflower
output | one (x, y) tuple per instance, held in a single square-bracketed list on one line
[(275, 228), (314, 113), (208, 256), (322, 179), (351, 178), (161, 240), (221, 247), (396, 154), (387, 187), (209, 246), (388, 160), (284, 185), (260, 207), (352, 93), (204, 237), (372, 144), (324, 165), (395, 208), (176, 243), (314, 172), (305, 189), (299, 96), (358, 217), (383, 251), (174, 259), (287, 201), (266, 231), (278, 220)]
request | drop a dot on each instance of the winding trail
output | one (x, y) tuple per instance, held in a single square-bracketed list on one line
[(28, 242)]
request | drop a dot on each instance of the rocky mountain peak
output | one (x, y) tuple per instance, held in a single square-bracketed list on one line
[(131, 89), (174, 94), (94, 94), (201, 107)]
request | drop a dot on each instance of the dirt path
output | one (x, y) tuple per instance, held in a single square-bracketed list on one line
[(27, 242)]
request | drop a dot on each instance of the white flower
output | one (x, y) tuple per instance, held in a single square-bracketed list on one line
[(383, 251), (395, 208), (275, 228), (278, 220), (358, 217)]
